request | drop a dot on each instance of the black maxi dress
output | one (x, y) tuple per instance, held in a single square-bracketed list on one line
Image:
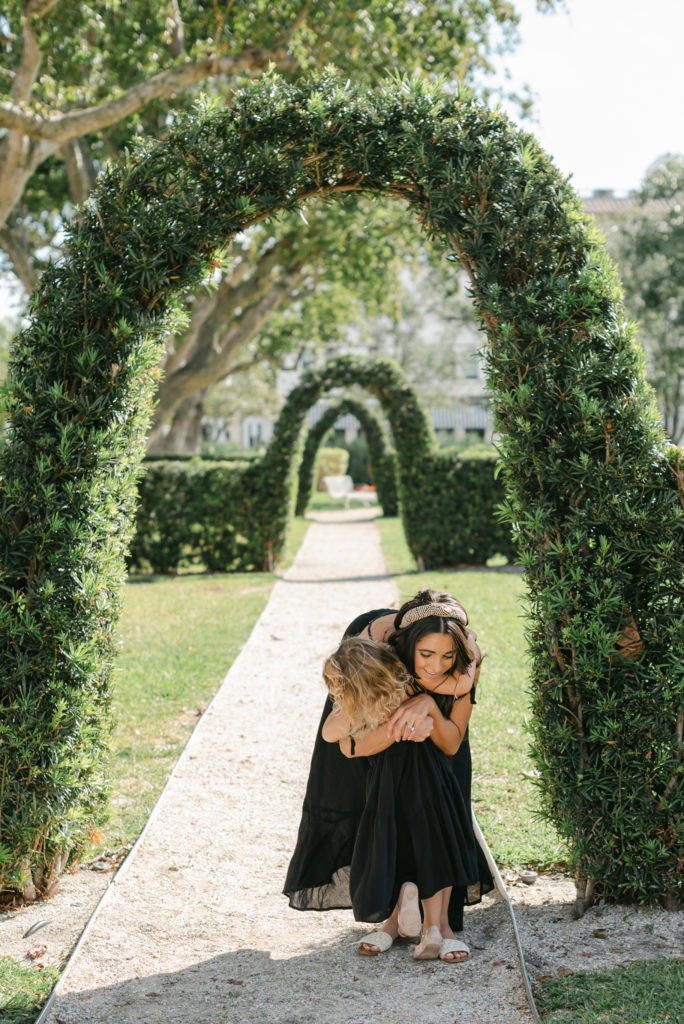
[(371, 823)]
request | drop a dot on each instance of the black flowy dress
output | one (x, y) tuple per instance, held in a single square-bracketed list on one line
[(370, 823)]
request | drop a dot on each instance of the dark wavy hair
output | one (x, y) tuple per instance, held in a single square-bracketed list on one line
[(404, 641)]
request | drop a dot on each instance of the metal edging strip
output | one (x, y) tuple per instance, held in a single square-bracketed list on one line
[(498, 881)]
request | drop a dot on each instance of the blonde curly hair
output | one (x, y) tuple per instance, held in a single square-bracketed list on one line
[(367, 682)]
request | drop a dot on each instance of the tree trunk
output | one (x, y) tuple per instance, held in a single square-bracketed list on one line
[(184, 435)]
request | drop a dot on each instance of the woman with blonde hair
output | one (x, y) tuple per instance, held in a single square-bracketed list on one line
[(335, 802)]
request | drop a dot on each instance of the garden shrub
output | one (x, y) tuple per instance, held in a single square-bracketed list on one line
[(190, 512), (592, 490), (464, 526), (330, 462)]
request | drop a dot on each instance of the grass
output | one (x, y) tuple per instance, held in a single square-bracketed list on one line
[(504, 798), (23, 990), (647, 992), (179, 636)]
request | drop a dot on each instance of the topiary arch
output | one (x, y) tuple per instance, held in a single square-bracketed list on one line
[(381, 459), (594, 491), (409, 427)]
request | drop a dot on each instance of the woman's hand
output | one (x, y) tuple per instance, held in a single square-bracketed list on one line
[(413, 719)]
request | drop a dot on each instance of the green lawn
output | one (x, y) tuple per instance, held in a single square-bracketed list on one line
[(179, 636), (648, 992), (23, 990)]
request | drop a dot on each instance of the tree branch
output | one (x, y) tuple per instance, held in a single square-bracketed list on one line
[(214, 311), (20, 257), (210, 365), (17, 163), (60, 128), (31, 56), (79, 168)]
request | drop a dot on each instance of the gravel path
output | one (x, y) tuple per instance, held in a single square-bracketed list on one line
[(194, 927)]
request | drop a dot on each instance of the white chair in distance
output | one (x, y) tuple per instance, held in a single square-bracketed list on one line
[(343, 487)]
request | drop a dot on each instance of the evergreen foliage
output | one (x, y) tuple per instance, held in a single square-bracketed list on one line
[(192, 511), (382, 462), (595, 495)]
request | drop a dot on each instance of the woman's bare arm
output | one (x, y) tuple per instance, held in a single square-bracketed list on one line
[(448, 732), (336, 730)]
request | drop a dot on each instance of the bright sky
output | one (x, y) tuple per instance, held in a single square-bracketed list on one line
[(608, 79)]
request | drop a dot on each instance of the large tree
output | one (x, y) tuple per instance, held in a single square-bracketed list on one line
[(79, 80), (650, 248)]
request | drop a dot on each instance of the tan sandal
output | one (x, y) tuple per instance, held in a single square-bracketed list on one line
[(453, 946), (429, 946), (408, 907), (381, 940)]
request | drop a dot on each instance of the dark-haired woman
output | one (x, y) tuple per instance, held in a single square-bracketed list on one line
[(318, 876)]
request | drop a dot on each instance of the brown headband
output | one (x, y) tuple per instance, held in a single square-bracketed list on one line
[(424, 611)]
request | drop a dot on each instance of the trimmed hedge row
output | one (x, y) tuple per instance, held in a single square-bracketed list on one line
[(192, 513), (592, 492)]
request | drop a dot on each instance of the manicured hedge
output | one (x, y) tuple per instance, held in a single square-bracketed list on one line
[(330, 462), (192, 512), (595, 497), (463, 525)]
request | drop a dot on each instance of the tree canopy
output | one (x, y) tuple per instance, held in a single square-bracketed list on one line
[(78, 82), (649, 246)]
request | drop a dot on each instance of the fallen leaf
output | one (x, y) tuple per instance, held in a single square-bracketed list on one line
[(36, 952), (498, 963), (586, 954), (234, 981), (563, 972), (600, 933)]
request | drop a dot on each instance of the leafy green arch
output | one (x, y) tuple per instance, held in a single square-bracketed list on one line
[(409, 426), (593, 490), (382, 460)]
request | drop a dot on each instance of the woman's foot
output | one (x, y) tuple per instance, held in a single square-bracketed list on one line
[(375, 943), (430, 944), (453, 951), (380, 941)]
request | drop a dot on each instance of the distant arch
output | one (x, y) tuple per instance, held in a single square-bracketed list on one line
[(381, 458)]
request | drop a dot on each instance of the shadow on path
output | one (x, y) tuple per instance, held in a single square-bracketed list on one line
[(328, 984)]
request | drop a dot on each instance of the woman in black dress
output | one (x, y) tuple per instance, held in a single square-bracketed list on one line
[(335, 800)]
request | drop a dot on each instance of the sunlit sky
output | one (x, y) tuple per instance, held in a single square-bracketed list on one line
[(608, 79)]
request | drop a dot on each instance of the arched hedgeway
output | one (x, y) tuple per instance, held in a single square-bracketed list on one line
[(594, 491), (408, 424), (381, 459)]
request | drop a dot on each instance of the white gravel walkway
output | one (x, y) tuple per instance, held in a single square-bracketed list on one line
[(194, 928)]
